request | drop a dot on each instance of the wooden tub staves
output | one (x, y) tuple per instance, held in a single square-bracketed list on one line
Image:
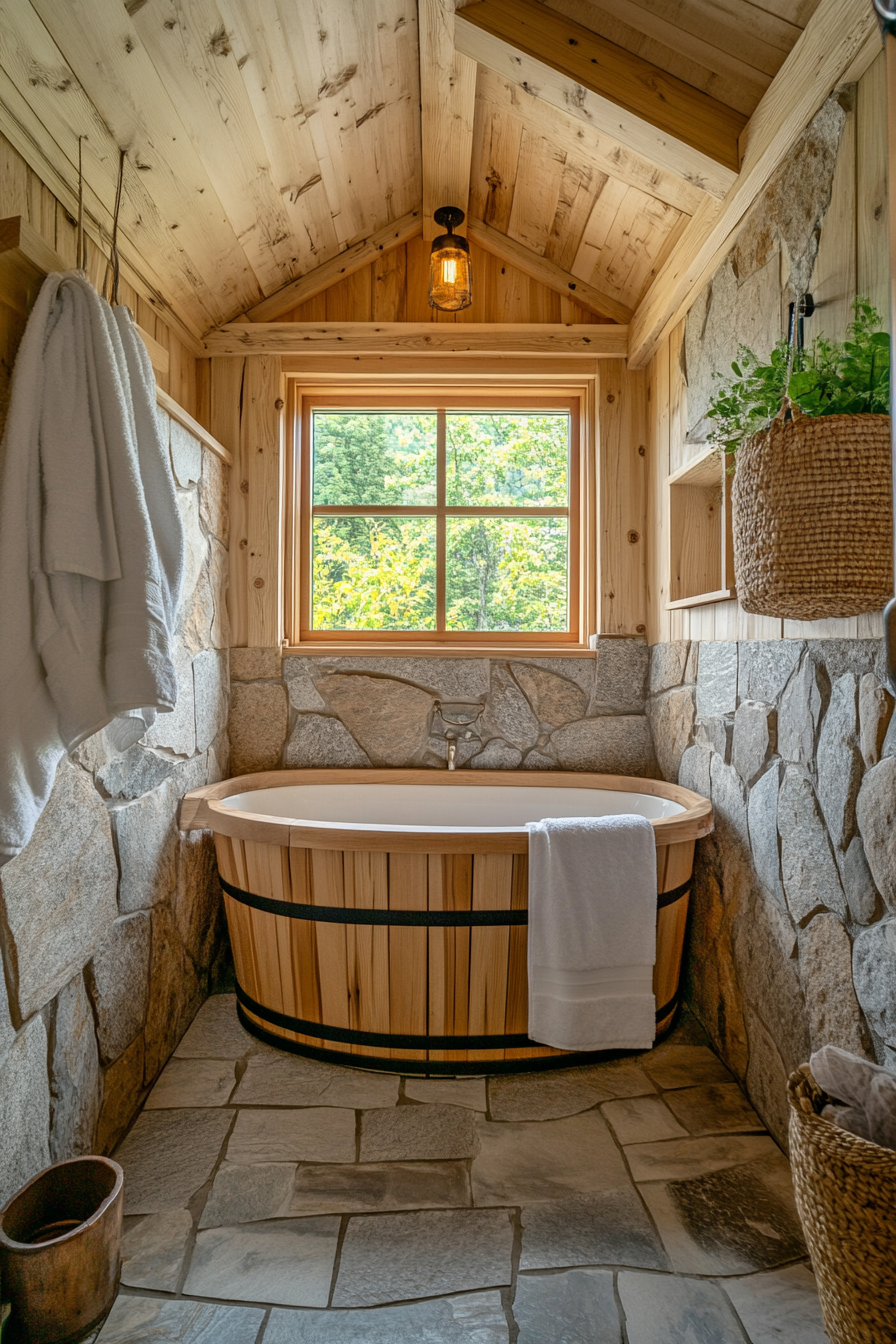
[(403, 947)]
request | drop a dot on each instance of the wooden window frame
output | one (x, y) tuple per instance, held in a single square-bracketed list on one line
[(453, 394)]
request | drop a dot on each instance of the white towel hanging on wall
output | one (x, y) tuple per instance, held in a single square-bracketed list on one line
[(91, 545)]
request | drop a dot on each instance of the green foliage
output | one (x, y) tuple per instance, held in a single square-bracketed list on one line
[(379, 572), (828, 378)]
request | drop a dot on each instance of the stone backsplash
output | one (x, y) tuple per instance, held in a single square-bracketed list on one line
[(110, 918), (583, 712), (793, 918)]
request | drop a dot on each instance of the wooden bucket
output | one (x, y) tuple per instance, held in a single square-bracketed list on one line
[(408, 958)]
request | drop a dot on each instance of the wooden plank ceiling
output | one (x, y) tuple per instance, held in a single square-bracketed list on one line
[(274, 147)]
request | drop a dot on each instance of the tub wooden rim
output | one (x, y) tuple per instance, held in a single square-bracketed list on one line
[(203, 809)]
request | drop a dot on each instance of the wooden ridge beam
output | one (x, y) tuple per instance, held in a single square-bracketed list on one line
[(604, 341), (353, 259), (605, 86), (447, 108), (835, 37), (546, 272)]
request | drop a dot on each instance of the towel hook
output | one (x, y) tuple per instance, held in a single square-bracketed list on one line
[(80, 245), (113, 255)]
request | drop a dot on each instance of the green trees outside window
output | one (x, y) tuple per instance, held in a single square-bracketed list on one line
[(440, 521)]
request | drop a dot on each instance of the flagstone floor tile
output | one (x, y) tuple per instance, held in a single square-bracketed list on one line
[(395, 1257), (153, 1320), (309, 1134), (713, 1109), (661, 1308), (378, 1187), (610, 1228), (276, 1079), (473, 1318), (729, 1222), (415, 1133), (641, 1120), (289, 1262), (531, 1163), (781, 1307), (448, 1091), (168, 1155), (153, 1250), (578, 1307), (193, 1082)]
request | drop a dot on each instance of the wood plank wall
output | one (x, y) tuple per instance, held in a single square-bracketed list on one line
[(853, 257), (23, 193), (395, 288)]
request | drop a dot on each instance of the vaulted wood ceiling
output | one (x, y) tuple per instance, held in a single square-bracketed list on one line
[(273, 146)]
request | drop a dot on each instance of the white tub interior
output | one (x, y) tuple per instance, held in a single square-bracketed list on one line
[(441, 807)]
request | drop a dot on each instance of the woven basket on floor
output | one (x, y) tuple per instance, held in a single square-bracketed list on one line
[(813, 517), (846, 1195)]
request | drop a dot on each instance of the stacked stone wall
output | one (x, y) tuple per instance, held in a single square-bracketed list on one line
[(792, 940), (110, 918), (557, 713)]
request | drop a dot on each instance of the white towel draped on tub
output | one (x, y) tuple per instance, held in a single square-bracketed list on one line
[(592, 933), (91, 546)]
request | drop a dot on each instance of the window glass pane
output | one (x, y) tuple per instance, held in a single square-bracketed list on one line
[(507, 574), (373, 457), (507, 459), (373, 574)]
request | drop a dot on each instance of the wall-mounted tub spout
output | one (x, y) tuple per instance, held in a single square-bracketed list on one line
[(452, 752)]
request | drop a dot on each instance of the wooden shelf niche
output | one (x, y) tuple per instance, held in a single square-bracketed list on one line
[(701, 552)]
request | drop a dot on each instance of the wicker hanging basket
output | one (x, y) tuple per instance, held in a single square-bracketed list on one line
[(813, 517), (846, 1196)]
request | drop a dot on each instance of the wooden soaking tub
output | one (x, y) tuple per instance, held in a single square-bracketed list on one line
[(378, 916)]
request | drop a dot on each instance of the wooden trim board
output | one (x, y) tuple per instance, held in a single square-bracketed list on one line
[(198, 431), (599, 341), (355, 258), (546, 272)]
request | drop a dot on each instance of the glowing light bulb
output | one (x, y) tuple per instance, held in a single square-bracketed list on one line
[(449, 272)]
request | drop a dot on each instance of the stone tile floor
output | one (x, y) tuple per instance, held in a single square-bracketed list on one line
[(274, 1199)]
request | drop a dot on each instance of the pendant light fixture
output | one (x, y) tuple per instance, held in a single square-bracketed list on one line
[(450, 271)]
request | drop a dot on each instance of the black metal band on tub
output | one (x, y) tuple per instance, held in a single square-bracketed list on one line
[(388, 1040), (419, 919), (428, 1068)]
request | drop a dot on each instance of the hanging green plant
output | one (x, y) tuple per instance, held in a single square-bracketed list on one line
[(828, 378)]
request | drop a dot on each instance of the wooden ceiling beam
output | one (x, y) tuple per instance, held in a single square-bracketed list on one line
[(354, 258), (604, 341), (601, 151), (546, 272), (834, 39), (447, 108), (594, 81)]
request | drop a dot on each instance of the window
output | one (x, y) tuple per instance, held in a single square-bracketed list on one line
[(437, 519)]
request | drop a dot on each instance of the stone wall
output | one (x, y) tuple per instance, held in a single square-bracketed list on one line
[(746, 301), (110, 918), (561, 712), (792, 939)]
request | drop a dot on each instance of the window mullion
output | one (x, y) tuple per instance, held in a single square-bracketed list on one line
[(441, 525)]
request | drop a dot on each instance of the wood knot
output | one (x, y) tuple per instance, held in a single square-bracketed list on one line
[(258, 583)]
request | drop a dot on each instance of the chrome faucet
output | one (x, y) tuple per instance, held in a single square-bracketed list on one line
[(452, 751)]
